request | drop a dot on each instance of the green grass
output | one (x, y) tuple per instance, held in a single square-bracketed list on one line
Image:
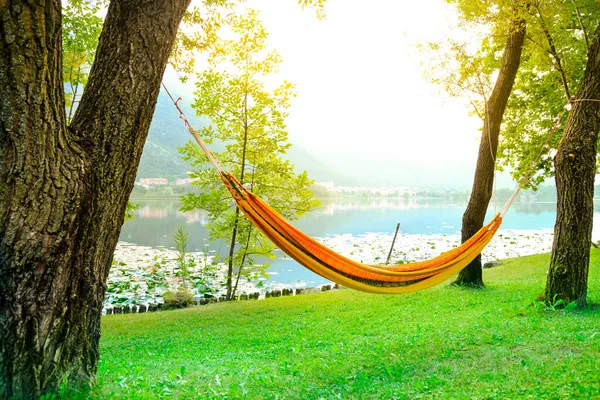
[(444, 342)]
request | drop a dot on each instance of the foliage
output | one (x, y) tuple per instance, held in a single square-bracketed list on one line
[(208, 279), (181, 298), (249, 120), (467, 67), (553, 59), (318, 5), (201, 28), (80, 32), (131, 207), (551, 69), (555, 305), (452, 343), (180, 237), (81, 27), (199, 32)]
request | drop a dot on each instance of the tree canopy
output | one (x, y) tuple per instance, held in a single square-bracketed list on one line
[(552, 65)]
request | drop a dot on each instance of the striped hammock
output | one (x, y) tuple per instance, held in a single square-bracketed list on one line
[(337, 268)]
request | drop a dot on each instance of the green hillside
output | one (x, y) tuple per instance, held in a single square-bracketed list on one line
[(160, 158)]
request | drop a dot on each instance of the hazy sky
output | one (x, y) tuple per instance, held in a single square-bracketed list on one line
[(363, 105)]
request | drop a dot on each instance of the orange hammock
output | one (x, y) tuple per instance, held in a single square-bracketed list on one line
[(337, 268), (325, 262)]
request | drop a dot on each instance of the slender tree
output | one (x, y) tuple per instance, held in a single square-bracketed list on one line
[(486, 81), (249, 120), (551, 67), (483, 181)]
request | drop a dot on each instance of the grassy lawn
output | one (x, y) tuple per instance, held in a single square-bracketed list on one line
[(443, 342)]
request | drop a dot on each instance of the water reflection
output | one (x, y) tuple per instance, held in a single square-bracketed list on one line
[(153, 212), (534, 208), (156, 220)]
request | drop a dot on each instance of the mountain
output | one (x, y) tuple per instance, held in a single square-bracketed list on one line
[(317, 169), (160, 158), (160, 161)]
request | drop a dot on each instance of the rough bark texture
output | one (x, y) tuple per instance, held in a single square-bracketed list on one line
[(483, 182), (63, 191), (575, 169)]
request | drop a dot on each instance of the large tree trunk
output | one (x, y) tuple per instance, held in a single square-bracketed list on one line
[(63, 191), (575, 169), (483, 182)]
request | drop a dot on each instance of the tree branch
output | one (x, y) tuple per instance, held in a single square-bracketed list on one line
[(585, 35), (554, 53)]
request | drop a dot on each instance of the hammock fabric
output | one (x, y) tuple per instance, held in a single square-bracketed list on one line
[(337, 268)]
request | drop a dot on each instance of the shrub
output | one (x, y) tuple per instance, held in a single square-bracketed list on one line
[(182, 298)]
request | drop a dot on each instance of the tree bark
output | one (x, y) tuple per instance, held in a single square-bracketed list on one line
[(63, 191), (575, 169), (483, 182)]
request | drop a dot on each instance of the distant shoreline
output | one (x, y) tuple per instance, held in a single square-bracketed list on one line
[(137, 198), (177, 197)]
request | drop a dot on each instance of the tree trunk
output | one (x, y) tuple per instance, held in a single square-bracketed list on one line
[(231, 254), (239, 273), (63, 191), (575, 169), (230, 290), (483, 182)]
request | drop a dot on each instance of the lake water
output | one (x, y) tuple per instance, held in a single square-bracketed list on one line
[(156, 220)]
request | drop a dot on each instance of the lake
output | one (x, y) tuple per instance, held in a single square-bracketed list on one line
[(156, 220)]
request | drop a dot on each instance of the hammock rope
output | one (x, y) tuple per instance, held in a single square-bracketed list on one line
[(402, 278)]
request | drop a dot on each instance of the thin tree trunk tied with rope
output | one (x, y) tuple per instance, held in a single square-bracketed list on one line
[(483, 181)]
